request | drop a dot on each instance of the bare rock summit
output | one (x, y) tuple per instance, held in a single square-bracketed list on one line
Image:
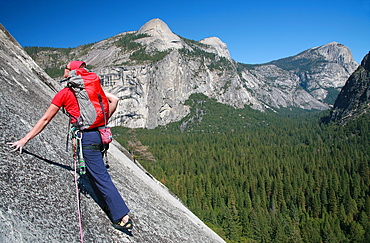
[(160, 37), (220, 48)]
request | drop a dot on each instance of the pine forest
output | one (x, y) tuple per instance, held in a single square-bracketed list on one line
[(252, 176)]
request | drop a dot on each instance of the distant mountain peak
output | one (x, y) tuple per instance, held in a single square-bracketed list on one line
[(333, 43), (154, 25), (220, 47), (161, 36), (336, 51)]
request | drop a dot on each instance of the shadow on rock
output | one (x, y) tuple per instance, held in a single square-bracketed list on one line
[(66, 167)]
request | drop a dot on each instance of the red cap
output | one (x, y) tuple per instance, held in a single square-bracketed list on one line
[(75, 64)]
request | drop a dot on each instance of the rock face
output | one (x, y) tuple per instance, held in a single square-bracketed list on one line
[(322, 70), (218, 47), (154, 72), (37, 191), (354, 99)]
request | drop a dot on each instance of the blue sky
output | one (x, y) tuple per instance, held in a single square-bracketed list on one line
[(254, 31)]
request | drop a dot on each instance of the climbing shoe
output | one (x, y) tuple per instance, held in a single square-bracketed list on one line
[(124, 226)]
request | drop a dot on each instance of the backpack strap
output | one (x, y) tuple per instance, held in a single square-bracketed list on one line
[(106, 145), (102, 107)]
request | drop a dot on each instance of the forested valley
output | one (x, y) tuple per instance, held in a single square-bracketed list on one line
[(268, 176)]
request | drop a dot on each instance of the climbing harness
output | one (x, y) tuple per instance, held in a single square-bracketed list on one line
[(79, 168)]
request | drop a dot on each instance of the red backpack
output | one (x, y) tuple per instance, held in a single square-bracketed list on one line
[(93, 103)]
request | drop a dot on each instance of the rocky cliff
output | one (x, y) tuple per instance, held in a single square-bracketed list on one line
[(322, 71), (154, 71), (37, 195), (354, 99)]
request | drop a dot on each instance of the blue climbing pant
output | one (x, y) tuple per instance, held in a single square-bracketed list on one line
[(100, 179)]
